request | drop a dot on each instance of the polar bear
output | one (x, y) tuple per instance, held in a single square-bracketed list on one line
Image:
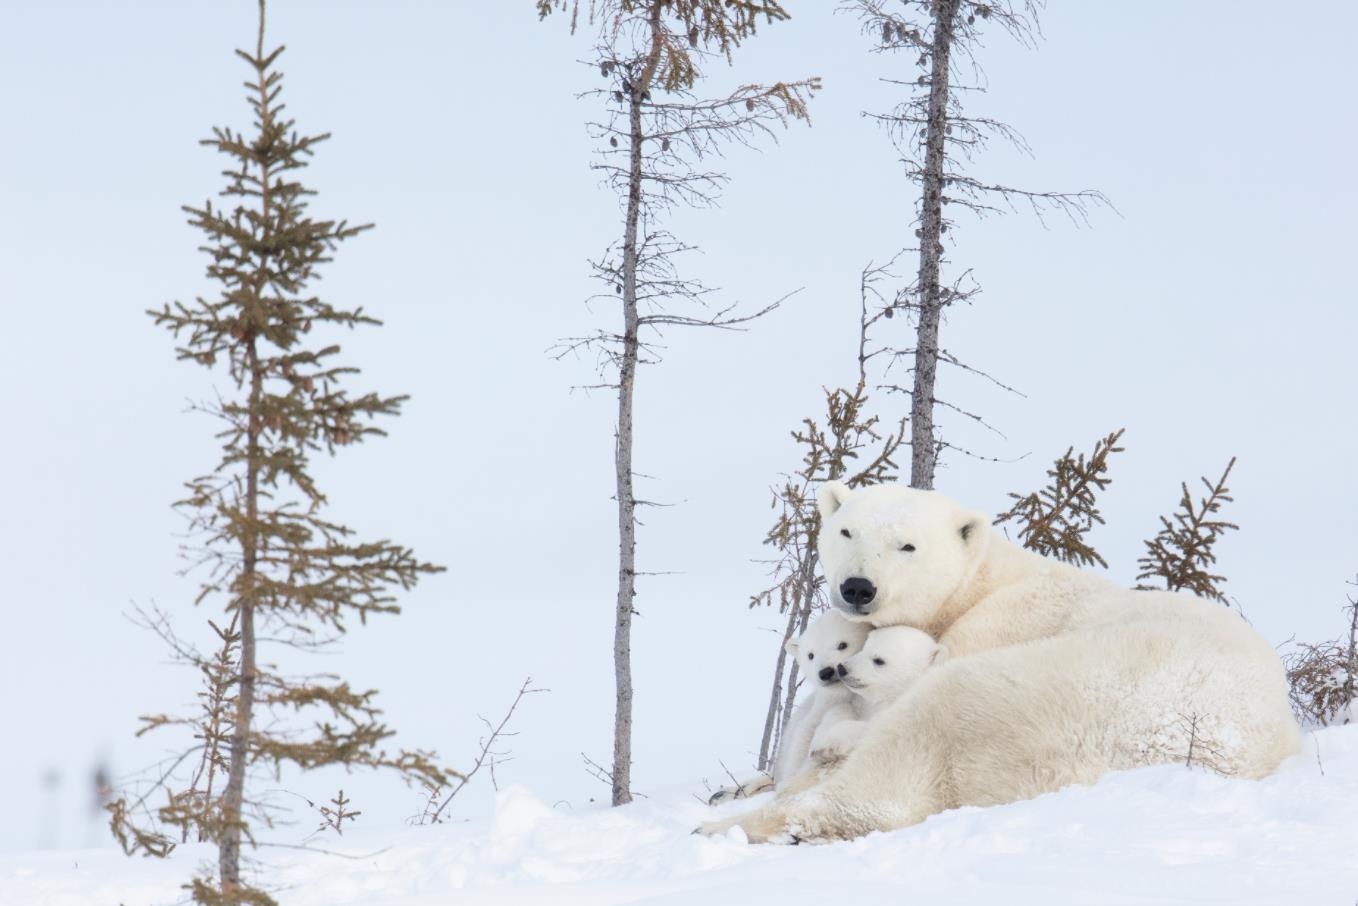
[(1056, 675), (819, 652), (892, 660)]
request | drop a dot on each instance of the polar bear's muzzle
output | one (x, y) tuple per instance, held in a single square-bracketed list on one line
[(859, 595)]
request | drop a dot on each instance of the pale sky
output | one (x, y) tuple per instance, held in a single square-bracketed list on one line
[(1210, 316)]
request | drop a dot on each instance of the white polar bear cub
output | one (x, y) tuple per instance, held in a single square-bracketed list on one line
[(891, 661), (819, 652), (1055, 676)]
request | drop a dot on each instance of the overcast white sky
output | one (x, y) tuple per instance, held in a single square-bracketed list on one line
[(1213, 317)]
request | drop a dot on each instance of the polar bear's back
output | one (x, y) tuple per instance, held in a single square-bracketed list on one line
[(1171, 680)]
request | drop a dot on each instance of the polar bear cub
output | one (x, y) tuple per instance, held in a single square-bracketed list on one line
[(891, 660), (820, 654)]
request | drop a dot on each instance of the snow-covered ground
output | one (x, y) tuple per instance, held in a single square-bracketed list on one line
[(1154, 836)]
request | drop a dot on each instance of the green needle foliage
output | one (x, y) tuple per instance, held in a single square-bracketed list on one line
[(1181, 554), (277, 567), (1055, 520)]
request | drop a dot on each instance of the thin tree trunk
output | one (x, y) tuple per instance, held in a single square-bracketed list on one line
[(627, 521), (808, 600), (233, 797), (627, 371), (924, 450), (768, 742)]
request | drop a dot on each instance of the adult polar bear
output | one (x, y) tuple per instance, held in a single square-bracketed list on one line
[(1057, 676)]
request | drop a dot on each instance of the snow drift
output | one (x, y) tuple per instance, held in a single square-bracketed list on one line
[(1159, 835)]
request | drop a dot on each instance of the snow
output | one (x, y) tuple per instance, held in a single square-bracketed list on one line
[(1163, 835)]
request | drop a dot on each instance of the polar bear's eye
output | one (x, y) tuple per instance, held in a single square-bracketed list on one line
[(845, 533), (843, 645), (811, 655), (879, 662), (908, 548)]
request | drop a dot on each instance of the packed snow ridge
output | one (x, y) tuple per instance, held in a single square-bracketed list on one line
[(1157, 835)]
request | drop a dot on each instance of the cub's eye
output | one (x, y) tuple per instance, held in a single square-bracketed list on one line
[(843, 645), (811, 656), (845, 533), (879, 662), (907, 547)]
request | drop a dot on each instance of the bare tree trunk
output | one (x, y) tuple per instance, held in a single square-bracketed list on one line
[(924, 447), (627, 504), (808, 597), (233, 797), (780, 702), (768, 741)]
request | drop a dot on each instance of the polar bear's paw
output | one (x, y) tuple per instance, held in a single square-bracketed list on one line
[(767, 825)]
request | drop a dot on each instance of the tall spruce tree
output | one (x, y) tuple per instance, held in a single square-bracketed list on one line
[(278, 568), (657, 135)]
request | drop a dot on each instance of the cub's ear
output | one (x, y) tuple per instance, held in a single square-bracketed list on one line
[(830, 497), (791, 646), (939, 654)]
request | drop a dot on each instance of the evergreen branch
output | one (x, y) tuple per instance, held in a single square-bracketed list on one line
[(1182, 552), (1054, 520)]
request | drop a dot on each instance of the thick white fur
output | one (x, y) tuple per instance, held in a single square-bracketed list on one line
[(1056, 675), (892, 660), (827, 642)]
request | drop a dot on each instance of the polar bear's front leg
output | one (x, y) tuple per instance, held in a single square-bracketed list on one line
[(764, 825), (827, 811)]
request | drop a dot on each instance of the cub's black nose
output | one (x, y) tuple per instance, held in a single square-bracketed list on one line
[(842, 671), (857, 592), (827, 674)]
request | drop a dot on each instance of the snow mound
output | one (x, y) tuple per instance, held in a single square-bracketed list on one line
[(1164, 835)]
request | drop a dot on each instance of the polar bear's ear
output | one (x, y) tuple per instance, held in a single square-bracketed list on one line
[(830, 497), (938, 655), (972, 528), (791, 646)]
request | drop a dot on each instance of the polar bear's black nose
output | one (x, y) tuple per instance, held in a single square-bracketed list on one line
[(826, 674), (858, 593)]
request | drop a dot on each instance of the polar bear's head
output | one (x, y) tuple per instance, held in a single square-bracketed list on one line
[(825, 645), (892, 658), (896, 555)]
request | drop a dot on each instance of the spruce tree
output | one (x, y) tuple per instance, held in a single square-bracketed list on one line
[(275, 565)]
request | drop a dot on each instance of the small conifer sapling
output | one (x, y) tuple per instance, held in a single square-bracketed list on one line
[(1182, 553), (1055, 520)]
